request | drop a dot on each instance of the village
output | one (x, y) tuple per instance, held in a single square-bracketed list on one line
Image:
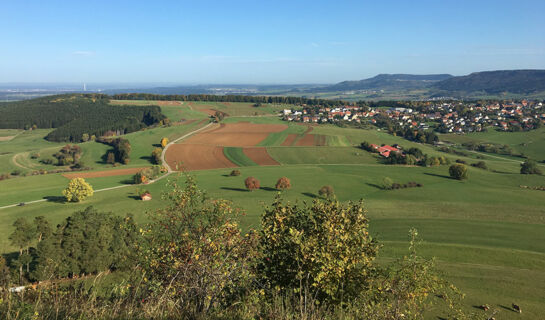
[(445, 117)]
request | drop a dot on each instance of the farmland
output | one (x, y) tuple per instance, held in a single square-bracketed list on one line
[(487, 233)]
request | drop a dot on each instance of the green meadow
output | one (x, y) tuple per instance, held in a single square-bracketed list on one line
[(487, 233)]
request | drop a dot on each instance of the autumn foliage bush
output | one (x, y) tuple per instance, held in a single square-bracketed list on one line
[(283, 184), (251, 183)]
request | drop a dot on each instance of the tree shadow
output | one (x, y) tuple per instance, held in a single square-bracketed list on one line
[(439, 175), (157, 145), (148, 158), (57, 199), (375, 186), (507, 308), (309, 194), (127, 181), (268, 189), (135, 197), (234, 189)]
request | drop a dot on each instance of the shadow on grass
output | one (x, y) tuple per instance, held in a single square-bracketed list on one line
[(311, 195), (234, 189), (135, 197), (157, 145), (374, 185), (147, 158), (507, 308), (439, 175), (268, 189), (127, 181), (57, 199)]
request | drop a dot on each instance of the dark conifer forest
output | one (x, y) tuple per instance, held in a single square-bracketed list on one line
[(75, 115)]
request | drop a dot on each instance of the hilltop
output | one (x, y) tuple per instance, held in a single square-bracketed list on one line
[(495, 82), (389, 82)]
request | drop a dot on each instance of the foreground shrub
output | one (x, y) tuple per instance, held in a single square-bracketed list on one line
[(323, 250), (458, 171), (283, 184), (251, 183), (193, 252), (235, 173)]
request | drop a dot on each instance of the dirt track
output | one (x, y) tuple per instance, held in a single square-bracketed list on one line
[(100, 174), (260, 156)]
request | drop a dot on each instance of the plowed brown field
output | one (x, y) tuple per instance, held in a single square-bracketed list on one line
[(312, 140), (290, 139), (260, 156), (100, 174), (205, 149), (236, 134), (197, 157)]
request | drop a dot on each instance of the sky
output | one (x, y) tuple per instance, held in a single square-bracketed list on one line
[(263, 42)]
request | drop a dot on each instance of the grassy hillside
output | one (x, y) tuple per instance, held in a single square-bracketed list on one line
[(487, 233)]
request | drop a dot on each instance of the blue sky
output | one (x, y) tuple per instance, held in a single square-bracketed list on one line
[(297, 41)]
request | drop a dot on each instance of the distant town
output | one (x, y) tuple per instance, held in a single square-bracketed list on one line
[(443, 117)]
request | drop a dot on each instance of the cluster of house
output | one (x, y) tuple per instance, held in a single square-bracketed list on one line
[(455, 117)]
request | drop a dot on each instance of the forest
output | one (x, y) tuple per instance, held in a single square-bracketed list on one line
[(74, 116)]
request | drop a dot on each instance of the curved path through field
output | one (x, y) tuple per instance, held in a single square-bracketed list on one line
[(169, 170)]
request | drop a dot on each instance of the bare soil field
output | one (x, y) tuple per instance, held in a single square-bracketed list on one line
[(311, 140), (235, 134), (7, 138), (260, 156), (290, 139), (100, 174), (197, 157)]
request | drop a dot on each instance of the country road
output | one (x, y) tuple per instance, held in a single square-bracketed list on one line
[(169, 170)]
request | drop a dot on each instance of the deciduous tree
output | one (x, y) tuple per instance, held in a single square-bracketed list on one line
[(251, 183), (78, 190)]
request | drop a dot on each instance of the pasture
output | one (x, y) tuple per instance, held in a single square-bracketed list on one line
[(487, 233)]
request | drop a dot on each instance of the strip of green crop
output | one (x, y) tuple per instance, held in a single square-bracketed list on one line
[(237, 156)]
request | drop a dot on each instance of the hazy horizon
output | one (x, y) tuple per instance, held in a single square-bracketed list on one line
[(243, 42)]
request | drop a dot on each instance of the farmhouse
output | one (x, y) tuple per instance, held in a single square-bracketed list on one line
[(145, 196), (385, 150)]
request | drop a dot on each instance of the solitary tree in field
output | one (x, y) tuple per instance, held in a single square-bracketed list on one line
[(78, 189), (164, 142), (529, 167), (458, 171), (283, 184), (387, 183), (235, 173), (156, 155), (326, 191), (251, 183)]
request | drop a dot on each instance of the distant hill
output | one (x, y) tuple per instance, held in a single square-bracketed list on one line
[(388, 82), (495, 82)]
